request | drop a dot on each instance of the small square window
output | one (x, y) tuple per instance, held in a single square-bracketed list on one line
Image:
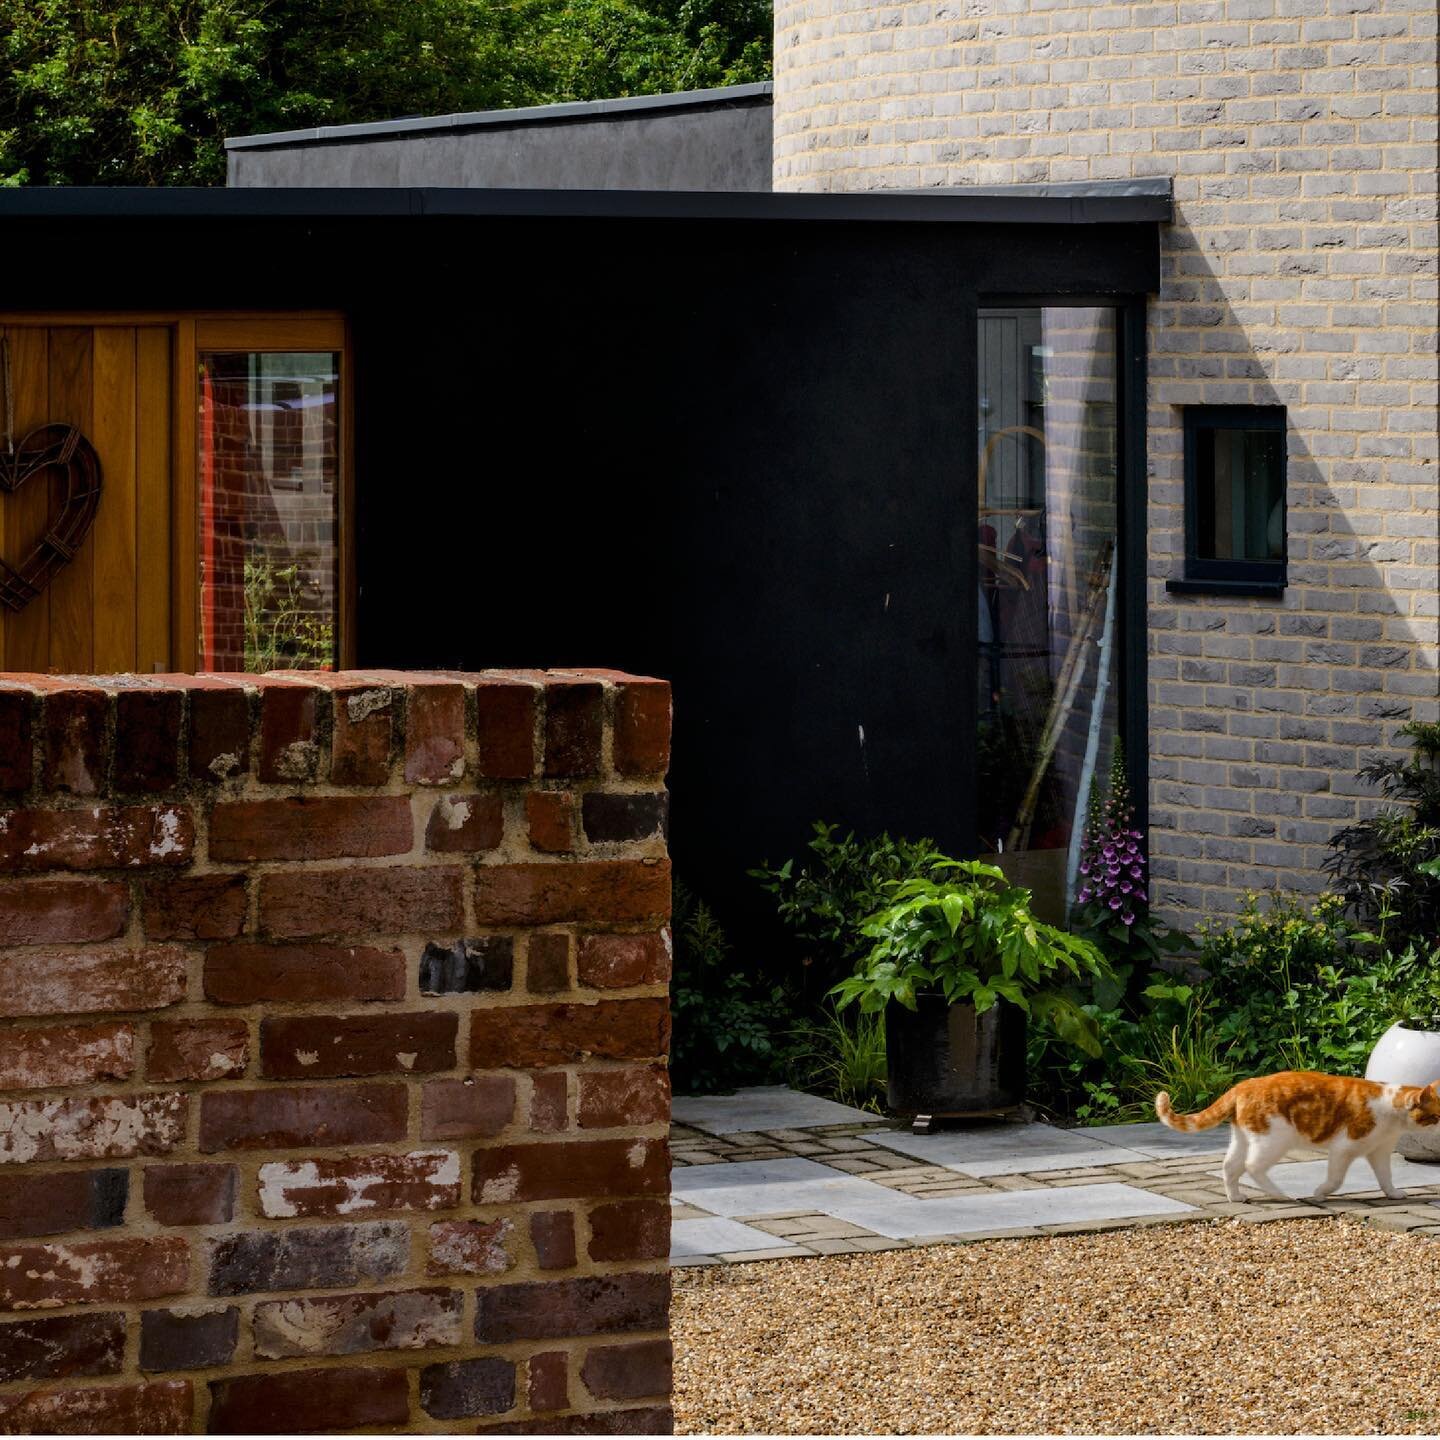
[(1234, 500)]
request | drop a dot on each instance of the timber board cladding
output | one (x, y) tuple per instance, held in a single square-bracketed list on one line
[(109, 609)]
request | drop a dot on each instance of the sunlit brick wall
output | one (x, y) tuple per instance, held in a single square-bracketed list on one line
[(1300, 136), (333, 1019)]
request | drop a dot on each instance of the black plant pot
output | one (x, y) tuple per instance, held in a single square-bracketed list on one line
[(944, 1059)]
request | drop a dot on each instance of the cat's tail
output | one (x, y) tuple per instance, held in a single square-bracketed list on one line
[(1215, 1114)]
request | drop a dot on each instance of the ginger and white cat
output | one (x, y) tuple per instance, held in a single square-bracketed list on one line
[(1273, 1114)]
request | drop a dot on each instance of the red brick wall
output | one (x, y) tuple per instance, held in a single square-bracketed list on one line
[(333, 1022)]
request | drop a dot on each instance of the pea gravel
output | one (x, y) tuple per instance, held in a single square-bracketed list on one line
[(1298, 1326)]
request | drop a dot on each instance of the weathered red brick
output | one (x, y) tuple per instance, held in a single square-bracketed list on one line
[(147, 739), (188, 1340), (55, 1055), (465, 823), (74, 730), (628, 1372), (558, 1309), (642, 727), (197, 1050), (479, 1106), (346, 1184), (636, 1095), (547, 964), (62, 1347), (616, 962), (191, 1194), (471, 1247), (434, 734), (360, 901), (552, 1233), (156, 1407), (291, 1117), (364, 734), (311, 827), (574, 727), (287, 730), (354, 1324), (97, 1127), (457, 1388), (528, 1035), (50, 1204), (41, 912), (16, 755), (630, 1230), (99, 837), (607, 892), (549, 1101), (331, 974), (92, 1272), (550, 816), (641, 1420), (302, 1401), (76, 982), (563, 1170), (468, 966), (326, 1046), (308, 1257), (610, 819), (548, 1381), (194, 907), (505, 729), (219, 729)]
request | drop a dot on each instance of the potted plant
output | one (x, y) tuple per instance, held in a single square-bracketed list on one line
[(958, 966), (1408, 1053)]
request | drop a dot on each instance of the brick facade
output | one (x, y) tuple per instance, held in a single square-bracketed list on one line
[(1300, 270), (328, 1099)]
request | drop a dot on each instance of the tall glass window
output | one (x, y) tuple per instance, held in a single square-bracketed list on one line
[(1048, 699), (269, 467)]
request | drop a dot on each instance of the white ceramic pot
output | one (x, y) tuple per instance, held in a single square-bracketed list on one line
[(1409, 1057)]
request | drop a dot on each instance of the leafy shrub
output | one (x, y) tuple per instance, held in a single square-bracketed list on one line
[(826, 900), (726, 1025), (1388, 866), (973, 937)]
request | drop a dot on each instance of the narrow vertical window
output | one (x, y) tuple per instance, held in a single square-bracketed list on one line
[(1234, 499), (269, 478), (1048, 702)]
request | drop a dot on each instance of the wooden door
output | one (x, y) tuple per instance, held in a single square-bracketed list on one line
[(110, 609)]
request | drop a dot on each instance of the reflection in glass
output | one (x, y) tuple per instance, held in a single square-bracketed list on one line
[(1047, 575), (1240, 510), (269, 465)]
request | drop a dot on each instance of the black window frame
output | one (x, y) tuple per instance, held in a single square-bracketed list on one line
[(1205, 575)]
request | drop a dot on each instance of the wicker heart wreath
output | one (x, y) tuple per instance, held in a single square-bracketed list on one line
[(63, 449)]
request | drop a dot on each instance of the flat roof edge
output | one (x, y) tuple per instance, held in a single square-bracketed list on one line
[(381, 202), (721, 97)]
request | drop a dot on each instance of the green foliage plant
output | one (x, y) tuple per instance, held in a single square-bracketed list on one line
[(825, 900), (727, 1027), (1390, 861), (972, 937), (284, 629), (841, 1057)]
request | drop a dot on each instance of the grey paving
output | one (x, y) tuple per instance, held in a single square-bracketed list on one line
[(1005, 1149), (1299, 1178), (763, 1107), (717, 1237), (1159, 1142)]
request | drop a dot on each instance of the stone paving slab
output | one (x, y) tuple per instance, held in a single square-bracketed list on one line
[(763, 1107), (1156, 1141), (1006, 1149), (1299, 1179), (713, 1236)]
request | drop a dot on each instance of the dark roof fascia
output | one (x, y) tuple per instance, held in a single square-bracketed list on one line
[(998, 206), (632, 107)]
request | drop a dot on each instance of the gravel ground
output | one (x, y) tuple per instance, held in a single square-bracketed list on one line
[(1299, 1326)]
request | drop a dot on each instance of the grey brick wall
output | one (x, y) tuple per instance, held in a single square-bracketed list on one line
[(1301, 270)]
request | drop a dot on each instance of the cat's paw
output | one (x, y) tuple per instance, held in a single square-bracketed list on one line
[(1321, 1194), (1394, 1194)]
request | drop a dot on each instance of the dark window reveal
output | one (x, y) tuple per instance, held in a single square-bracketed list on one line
[(1234, 499)]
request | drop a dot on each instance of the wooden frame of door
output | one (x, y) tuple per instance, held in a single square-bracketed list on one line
[(167, 486)]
